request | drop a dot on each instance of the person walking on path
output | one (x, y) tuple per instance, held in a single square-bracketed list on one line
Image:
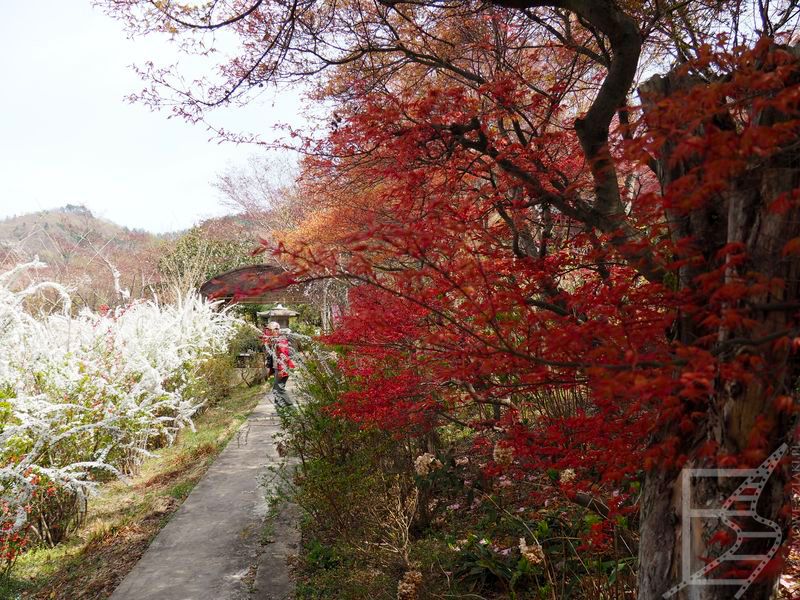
[(279, 363)]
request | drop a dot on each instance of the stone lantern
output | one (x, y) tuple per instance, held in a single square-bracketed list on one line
[(279, 314)]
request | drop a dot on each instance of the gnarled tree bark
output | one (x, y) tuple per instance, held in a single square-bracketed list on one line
[(742, 215)]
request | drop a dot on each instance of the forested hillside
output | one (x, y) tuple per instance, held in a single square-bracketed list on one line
[(107, 264)]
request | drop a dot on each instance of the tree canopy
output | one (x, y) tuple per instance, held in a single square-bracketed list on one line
[(581, 213)]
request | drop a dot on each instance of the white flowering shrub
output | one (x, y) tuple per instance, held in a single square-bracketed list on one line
[(87, 394)]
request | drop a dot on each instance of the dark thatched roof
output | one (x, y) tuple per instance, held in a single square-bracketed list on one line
[(256, 284)]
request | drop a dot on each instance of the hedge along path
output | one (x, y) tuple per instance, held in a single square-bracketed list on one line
[(213, 548)]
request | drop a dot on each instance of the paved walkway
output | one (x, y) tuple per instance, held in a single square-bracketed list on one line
[(213, 547)]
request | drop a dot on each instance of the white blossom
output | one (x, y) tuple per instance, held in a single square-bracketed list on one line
[(79, 393)]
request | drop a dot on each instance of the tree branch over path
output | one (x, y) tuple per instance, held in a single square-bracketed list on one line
[(607, 213)]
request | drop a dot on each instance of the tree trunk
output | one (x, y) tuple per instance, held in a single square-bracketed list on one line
[(742, 419)]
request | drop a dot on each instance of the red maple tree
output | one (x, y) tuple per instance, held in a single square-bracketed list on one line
[(616, 276)]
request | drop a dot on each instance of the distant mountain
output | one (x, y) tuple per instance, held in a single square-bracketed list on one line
[(56, 234), (101, 261), (105, 263)]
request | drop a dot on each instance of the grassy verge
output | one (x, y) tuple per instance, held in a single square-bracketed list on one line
[(125, 517)]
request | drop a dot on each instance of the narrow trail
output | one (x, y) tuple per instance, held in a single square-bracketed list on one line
[(214, 547)]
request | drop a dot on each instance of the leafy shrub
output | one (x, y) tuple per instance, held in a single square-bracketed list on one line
[(56, 512), (247, 339), (14, 536), (480, 566), (85, 396), (343, 469), (214, 379), (434, 504), (357, 488)]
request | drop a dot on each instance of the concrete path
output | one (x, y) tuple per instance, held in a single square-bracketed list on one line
[(213, 548)]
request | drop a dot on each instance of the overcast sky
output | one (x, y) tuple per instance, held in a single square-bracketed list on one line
[(68, 136)]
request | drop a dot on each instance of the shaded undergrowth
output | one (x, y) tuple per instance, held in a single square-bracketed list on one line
[(437, 512), (126, 516)]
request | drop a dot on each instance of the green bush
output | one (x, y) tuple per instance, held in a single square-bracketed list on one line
[(373, 516), (357, 489), (344, 470), (214, 380), (247, 339), (57, 514)]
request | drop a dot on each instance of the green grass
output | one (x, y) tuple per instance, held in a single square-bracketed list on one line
[(181, 490), (126, 516)]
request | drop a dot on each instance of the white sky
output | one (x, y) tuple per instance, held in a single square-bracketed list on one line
[(68, 136)]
